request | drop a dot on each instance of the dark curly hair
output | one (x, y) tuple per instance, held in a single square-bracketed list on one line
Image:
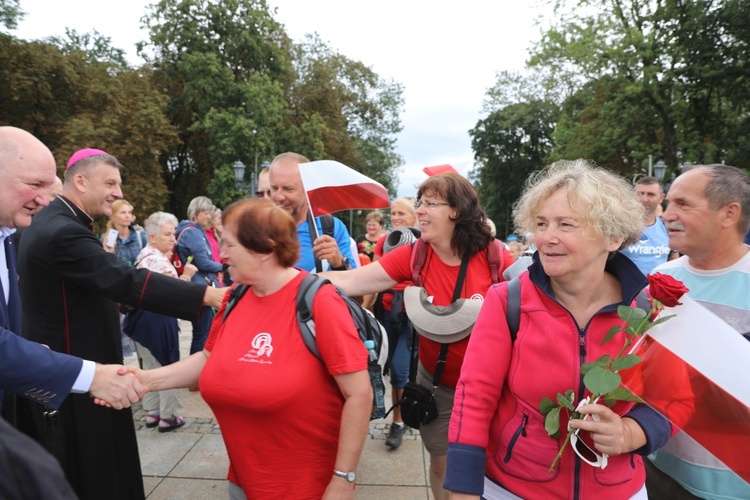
[(471, 233)]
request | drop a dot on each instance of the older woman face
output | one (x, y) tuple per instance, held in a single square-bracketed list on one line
[(164, 238), (216, 221), (567, 245), (245, 266), (373, 228)]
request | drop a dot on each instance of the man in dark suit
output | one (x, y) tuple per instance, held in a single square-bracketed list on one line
[(27, 170), (70, 287), (28, 369)]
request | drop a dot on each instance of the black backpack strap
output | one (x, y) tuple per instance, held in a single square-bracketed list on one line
[(326, 222), (513, 311), (305, 296), (234, 296)]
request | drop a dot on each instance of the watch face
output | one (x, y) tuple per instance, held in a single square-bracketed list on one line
[(351, 476)]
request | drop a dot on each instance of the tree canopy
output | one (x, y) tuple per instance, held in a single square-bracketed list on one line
[(220, 82), (629, 79)]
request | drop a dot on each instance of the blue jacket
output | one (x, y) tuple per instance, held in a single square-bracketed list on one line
[(27, 368), (195, 243), (127, 250), (306, 259)]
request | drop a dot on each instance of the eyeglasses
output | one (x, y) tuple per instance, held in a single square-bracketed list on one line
[(587, 452), (259, 194), (429, 205)]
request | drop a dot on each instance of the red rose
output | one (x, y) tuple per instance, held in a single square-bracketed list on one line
[(666, 289)]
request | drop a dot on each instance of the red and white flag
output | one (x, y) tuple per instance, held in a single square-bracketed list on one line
[(695, 371), (439, 170), (332, 186)]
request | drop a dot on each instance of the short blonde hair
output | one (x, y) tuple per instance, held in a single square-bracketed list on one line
[(408, 203), (607, 200)]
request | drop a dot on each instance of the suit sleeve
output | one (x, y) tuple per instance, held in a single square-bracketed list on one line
[(35, 372), (79, 259)]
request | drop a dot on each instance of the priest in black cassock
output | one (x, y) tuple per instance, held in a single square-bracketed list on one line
[(70, 288)]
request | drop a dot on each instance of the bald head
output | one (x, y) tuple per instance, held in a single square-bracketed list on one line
[(27, 170)]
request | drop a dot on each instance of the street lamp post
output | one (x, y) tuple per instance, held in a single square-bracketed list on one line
[(659, 170), (239, 175)]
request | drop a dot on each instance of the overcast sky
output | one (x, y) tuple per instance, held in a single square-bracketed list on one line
[(446, 54)]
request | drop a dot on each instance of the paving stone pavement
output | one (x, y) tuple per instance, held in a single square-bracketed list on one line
[(191, 462)]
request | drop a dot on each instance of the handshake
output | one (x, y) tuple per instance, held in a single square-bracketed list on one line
[(117, 386)]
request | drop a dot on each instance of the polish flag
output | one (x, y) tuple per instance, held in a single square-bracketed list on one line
[(332, 186), (695, 371), (439, 170)]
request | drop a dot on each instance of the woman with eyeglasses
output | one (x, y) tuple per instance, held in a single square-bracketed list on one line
[(580, 217), (456, 267)]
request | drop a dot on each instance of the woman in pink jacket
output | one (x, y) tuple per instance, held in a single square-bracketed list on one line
[(580, 217)]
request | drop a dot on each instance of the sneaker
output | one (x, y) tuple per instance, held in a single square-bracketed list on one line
[(395, 436)]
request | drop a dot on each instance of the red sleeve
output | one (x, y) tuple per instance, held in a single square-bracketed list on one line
[(337, 338), (378, 250), (397, 263)]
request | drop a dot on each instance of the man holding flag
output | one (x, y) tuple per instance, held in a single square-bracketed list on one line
[(707, 217), (288, 191)]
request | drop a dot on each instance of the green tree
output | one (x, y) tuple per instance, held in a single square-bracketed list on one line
[(359, 110), (222, 65), (508, 145), (658, 77), (70, 100), (10, 13)]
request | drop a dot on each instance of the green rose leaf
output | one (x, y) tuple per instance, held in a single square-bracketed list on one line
[(603, 361), (625, 362), (631, 314), (657, 322), (563, 402), (552, 421), (546, 405), (611, 333), (623, 394), (570, 395), (601, 381)]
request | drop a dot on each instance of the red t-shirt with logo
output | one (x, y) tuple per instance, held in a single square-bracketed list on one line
[(279, 406), (439, 279)]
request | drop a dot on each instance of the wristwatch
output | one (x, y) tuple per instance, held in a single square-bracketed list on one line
[(349, 476), (345, 265)]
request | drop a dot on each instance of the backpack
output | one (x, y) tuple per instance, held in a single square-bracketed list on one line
[(175, 259), (419, 256), (326, 223), (513, 311), (371, 332)]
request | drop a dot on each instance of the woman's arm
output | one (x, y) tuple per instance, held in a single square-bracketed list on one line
[(355, 420), (361, 281), (184, 373)]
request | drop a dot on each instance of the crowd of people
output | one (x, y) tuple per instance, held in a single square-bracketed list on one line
[(584, 239)]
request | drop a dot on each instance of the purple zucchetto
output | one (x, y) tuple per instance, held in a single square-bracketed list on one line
[(84, 153)]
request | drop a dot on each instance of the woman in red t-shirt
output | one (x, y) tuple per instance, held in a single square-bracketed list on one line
[(294, 426), (454, 227), (397, 325)]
